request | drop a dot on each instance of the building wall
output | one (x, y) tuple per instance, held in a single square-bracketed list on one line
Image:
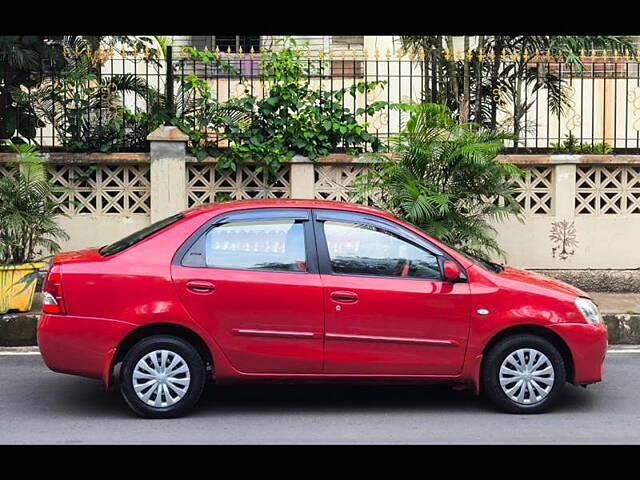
[(316, 43)]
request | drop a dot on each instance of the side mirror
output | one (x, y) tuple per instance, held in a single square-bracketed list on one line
[(451, 271)]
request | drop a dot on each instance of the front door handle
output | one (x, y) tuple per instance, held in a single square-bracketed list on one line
[(344, 297), (199, 286)]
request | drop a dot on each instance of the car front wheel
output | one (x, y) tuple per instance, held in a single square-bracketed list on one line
[(523, 374), (162, 377)]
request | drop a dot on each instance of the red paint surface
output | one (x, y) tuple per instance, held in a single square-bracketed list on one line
[(285, 325), (434, 312)]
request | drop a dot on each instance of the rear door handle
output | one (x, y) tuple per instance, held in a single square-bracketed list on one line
[(344, 297), (199, 286)]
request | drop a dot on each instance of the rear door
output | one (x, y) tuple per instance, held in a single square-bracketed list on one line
[(251, 279), (388, 309)]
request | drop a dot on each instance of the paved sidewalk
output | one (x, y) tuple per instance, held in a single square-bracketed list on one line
[(617, 302), (19, 350)]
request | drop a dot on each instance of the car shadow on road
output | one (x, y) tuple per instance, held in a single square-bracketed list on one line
[(334, 397), (361, 398), (75, 397)]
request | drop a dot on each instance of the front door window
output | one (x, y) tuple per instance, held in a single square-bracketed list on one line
[(360, 249)]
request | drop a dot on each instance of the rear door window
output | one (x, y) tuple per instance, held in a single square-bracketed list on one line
[(275, 245)]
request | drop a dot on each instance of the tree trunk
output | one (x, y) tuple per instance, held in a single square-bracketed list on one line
[(426, 76), (494, 81), (442, 83), (518, 109), (453, 74), (478, 117), (465, 114)]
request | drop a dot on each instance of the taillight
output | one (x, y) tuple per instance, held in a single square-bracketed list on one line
[(52, 301)]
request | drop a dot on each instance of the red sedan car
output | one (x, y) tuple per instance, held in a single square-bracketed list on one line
[(288, 290)]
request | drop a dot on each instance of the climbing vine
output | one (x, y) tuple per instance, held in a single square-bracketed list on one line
[(292, 118)]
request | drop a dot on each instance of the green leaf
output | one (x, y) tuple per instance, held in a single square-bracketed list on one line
[(200, 154)]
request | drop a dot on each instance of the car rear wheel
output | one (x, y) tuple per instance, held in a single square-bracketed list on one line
[(162, 377), (523, 374)]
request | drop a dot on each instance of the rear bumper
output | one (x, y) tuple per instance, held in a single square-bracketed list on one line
[(588, 345), (80, 345)]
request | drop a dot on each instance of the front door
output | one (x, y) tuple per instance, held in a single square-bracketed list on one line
[(252, 281), (388, 309)]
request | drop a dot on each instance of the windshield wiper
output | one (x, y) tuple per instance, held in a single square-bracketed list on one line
[(489, 265), (497, 267)]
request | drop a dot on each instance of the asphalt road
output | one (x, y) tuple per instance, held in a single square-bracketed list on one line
[(39, 406)]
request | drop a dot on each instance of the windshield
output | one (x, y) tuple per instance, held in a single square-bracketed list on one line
[(138, 236), (476, 259)]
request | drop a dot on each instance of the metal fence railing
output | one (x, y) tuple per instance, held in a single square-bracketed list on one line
[(546, 103)]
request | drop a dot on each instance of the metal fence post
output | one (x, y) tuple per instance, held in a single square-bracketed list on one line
[(434, 76), (169, 81)]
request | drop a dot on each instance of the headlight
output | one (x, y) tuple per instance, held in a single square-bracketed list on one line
[(589, 310)]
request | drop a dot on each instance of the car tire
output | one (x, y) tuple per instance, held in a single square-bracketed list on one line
[(174, 365), (533, 376)]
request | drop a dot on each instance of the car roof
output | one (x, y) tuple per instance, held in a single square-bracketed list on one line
[(284, 203)]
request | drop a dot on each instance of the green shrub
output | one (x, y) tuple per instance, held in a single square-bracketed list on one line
[(445, 179), (292, 118), (27, 211), (571, 145)]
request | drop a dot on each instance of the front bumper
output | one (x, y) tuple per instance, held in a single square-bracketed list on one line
[(588, 345), (80, 345)]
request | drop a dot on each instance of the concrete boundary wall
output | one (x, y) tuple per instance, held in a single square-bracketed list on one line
[(581, 212)]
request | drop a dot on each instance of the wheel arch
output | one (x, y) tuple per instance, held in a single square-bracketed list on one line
[(532, 329), (164, 328)]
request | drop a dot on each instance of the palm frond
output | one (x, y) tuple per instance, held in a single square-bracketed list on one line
[(28, 212), (444, 177)]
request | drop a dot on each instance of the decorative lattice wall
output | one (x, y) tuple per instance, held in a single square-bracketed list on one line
[(102, 189), (534, 191), (5, 172), (205, 184), (336, 182), (607, 190)]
